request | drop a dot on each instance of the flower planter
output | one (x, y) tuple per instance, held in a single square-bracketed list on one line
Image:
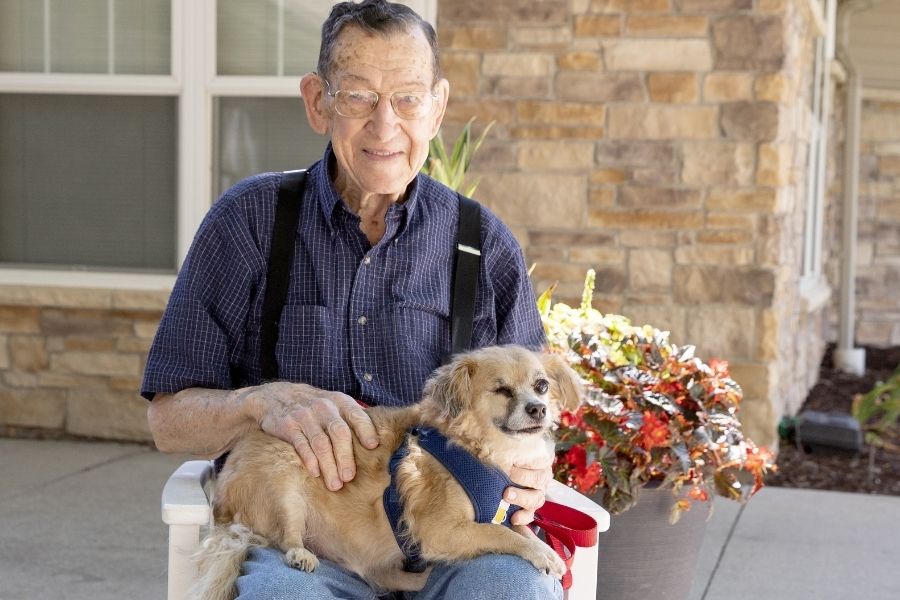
[(643, 556)]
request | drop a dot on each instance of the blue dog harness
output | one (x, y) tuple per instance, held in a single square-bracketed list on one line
[(484, 484)]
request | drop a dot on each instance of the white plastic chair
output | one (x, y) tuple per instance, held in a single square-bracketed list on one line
[(186, 508)]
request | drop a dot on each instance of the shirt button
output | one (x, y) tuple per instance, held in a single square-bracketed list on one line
[(362, 320), (367, 260), (367, 376)]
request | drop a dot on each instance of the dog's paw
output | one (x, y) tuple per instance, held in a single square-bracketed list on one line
[(301, 558), (546, 560)]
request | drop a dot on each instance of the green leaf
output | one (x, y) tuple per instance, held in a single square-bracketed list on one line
[(451, 169)]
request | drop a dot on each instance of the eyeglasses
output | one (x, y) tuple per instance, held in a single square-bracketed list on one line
[(356, 104)]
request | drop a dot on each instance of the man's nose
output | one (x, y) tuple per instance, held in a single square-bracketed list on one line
[(383, 118), (536, 410)]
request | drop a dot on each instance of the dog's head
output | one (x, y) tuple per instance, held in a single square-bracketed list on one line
[(501, 395)]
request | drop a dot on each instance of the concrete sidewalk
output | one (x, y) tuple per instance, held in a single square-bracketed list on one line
[(81, 521)]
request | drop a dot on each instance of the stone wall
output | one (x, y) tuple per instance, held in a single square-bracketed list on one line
[(71, 361), (877, 315), (662, 143), (878, 252)]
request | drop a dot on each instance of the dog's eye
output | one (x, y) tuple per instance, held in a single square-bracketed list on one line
[(541, 386), (504, 391)]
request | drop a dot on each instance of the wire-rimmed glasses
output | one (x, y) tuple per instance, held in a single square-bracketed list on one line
[(356, 104)]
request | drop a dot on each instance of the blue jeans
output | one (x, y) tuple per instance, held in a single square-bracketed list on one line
[(265, 576)]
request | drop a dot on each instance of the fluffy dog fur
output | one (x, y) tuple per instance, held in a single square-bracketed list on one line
[(480, 401)]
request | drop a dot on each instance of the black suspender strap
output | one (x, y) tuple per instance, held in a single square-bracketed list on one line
[(278, 274), (466, 272)]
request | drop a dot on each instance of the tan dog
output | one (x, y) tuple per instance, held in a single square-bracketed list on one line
[(498, 403)]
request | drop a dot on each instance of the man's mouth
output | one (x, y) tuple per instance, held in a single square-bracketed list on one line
[(381, 153)]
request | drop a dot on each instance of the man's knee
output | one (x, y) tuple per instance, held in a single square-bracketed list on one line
[(503, 576), (265, 576)]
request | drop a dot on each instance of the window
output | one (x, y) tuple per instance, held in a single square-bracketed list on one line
[(88, 181), (122, 120), (813, 287), (87, 159)]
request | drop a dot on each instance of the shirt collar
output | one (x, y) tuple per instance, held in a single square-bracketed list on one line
[(331, 202)]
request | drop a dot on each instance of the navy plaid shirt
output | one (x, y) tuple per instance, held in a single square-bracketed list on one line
[(369, 321)]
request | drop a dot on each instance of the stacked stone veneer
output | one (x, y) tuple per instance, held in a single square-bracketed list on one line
[(878, 251), (662, 143), (877, 314), (71, 361)]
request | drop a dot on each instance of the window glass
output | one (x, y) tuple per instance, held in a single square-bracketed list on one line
[(21, 35), (88, 181), (256, 135), (143, 32), (85, 36), (269, 37)]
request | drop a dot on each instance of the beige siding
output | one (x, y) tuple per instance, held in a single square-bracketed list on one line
[(875, 43)]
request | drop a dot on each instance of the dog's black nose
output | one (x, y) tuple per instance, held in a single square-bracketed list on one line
[(536, 410)]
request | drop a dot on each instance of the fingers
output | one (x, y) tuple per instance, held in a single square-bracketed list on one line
[(342, 445), (329, 437), (320, 425), (321, 445), (305, 452), (530, 477), (526, 498), (532, 496), (522, 517), (360, 423)]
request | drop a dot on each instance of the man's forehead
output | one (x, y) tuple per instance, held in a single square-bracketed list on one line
[(406, 56)]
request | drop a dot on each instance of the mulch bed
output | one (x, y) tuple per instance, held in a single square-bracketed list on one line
[(875, 470)]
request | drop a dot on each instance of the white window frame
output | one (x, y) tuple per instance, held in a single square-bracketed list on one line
[(814, 288), (194, 81)]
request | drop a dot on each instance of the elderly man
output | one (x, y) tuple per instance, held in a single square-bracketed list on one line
[(367, 310)]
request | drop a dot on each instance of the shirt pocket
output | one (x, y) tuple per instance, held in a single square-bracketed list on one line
[(306, 345), (422, 331)]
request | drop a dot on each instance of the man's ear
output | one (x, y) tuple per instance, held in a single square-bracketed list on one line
[(565, 382), (449, 389), (312, 89), (442, 88)]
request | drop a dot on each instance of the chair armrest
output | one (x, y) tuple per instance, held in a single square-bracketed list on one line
[(185, 509), (187, 494), (584, 566), (563, 494)]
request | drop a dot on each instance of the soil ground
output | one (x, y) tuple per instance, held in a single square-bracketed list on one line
[(874, 470)]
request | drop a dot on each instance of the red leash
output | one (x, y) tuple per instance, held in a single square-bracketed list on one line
[(565, 529)]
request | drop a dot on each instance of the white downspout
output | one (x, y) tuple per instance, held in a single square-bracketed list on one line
[(846, 357)]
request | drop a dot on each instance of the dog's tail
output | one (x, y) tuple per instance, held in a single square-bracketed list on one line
[(219, 561)]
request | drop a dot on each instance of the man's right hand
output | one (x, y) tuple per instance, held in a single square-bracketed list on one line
[(318, 423)]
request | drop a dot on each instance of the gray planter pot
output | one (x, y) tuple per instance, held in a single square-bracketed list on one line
[(643, 557)]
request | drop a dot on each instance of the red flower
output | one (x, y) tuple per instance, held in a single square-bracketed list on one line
[(654, 432), (576, 457), (586, 481), (571, 419)]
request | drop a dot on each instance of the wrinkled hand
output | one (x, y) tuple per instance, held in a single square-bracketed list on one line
[(318, 423), (536, 477)]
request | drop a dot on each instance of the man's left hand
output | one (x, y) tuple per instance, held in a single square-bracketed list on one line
[(536, 478)]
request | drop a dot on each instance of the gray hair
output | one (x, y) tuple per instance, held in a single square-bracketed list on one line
[(375, 17)]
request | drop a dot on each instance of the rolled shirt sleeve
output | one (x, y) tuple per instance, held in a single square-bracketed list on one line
[(202, 332)]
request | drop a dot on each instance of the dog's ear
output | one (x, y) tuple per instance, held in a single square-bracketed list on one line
[(450, 387), (567, 383)]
